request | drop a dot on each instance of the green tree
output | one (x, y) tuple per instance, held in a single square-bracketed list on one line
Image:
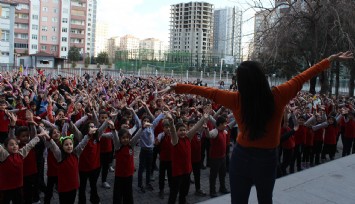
[(74, 55), (87, 61), (102, 58)]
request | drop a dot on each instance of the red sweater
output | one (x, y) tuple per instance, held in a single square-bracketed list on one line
[(52, 164), (11, 172), (196, 148), (290, 142), (4, 122), (90, 157), (68, 174), (282, 95), (124, 161), (165, 148), (330, 136), (181, 157), (30, 163), (218, 146)]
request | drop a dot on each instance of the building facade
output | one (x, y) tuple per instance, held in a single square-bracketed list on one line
[(113, 44), (153, 49), (130, 44), (101, 37), (91, 27), (7, 19), (227, 33), (53, 26), (191, 31)]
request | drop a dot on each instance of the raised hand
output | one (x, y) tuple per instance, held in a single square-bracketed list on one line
[(341, 56)]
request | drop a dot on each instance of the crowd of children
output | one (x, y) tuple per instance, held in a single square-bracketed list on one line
[(74, 127)]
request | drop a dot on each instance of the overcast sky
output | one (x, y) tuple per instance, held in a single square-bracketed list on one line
[(150, 18)]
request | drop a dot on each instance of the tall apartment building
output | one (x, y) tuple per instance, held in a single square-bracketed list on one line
[(53, 26), (7, 19), (113, 44), (131, 44), (191, 30), (101, 37), (227, 33), (153, 49), (91, 27)]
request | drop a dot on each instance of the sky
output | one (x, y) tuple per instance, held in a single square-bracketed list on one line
[(150, 18)]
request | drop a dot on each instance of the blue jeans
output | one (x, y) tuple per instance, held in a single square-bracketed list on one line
[(252, 166), (145, 164)]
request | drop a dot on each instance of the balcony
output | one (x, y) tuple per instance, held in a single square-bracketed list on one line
[(25, 11), (78, 45), (76, 35), (21, 20), (79, 8), (75, 26), (19, 40), (83, 18), (21, 30)]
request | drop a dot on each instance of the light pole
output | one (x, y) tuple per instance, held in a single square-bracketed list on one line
[(220, 71)]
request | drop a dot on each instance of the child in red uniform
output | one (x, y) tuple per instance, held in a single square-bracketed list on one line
[(68, 165), (89, 165), (181, 158), (165, 146), (52, 167), (11, 167), (4, 121), (124, 169), (217, 153)]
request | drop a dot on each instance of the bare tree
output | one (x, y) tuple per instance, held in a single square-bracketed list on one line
[(303, 32)]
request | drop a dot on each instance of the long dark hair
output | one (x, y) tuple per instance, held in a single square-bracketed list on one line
[(257, 101)]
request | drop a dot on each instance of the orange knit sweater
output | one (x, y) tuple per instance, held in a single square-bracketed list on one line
[(282, 95)]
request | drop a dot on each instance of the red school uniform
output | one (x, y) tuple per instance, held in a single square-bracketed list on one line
[(218, 145), (165, 148), (106, 143), (318, 135), (196, 148), (330, 136), (90, 157), (68, 174), (290, 142), (4, 122), (124, 161), (30, 163), (11, 172), (52, 169), (181, 157), (300, 135), (349, 128)]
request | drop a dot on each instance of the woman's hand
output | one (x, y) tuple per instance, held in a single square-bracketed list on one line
[(341, 56)]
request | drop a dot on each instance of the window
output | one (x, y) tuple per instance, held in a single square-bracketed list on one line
[(63, 48), (44, 28), (35, 17), (5, 12), (54, 19), (54, 39), (34, 27), (44, 38), (5, 34), (45, 9), (64, 30), (65, 20), (53, 48), (34, 47), (44, 18), (54, 28), (43, 47), (34, 37), (64, 39), (55, 10), (21, 45)]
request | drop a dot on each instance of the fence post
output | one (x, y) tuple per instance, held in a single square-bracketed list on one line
[(214, 78), (227, 77), (187, 75), (156, 72), (172, 73), (201, 75)]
